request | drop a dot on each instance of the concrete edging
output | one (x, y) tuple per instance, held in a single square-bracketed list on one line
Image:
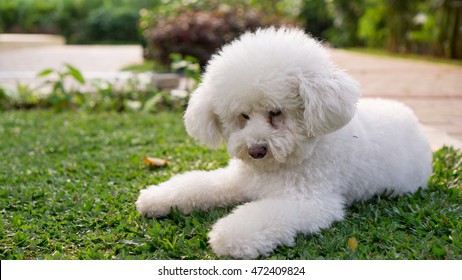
[(13, 40)]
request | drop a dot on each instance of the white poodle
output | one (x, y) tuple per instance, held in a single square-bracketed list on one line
[(303, 146)]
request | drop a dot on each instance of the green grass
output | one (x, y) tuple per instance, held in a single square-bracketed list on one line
[(68, 183), (146, 66)]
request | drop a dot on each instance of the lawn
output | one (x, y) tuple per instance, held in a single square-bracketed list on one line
[(68, 183)]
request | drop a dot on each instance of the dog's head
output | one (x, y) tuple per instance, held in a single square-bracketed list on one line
[(266, 93)]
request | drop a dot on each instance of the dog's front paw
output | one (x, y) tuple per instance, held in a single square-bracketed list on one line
[(154, 202), (227, 244), (240, 241)]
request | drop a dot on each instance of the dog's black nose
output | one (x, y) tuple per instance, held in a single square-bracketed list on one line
[(257, 151)]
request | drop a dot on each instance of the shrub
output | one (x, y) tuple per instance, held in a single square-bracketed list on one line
[(27, 16), (198, 32), (67, 89), (316, 17), (8, 15), (83, 21), (115, 24)]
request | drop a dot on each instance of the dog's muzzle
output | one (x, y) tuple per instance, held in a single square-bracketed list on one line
[(257, 151)]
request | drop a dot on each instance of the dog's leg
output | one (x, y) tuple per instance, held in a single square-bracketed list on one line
[(195, 189), (257, 228)]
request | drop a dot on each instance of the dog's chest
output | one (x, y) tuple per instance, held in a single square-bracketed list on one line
[(282, 183)]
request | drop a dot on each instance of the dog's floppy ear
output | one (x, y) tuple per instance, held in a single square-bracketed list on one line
[(329, 101), (200, 120)]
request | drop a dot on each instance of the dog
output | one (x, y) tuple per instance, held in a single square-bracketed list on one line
[(303, 145)]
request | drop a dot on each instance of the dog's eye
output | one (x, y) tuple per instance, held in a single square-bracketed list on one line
[(275, 113), (245, 116)]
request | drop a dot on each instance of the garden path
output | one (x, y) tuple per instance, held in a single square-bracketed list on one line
[(433, 91), (96, 61)]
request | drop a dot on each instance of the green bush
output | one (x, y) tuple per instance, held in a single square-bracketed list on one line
[(67, 89), (8, 15), (115, 24), (429, 27), (83, 21), (199, 32), (316, 18), (27, 16)]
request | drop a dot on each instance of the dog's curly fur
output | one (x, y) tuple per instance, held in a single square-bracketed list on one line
[(303, 146)]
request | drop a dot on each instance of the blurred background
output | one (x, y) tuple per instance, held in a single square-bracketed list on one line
[(146, 55), (197, 28)]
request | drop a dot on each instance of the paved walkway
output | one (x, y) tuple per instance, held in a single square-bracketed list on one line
[(434, 91), (101, 61), (398, 78), (88, 58)]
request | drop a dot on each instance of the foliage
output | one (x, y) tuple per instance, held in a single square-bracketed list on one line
[(345, 25), (188, 66), (68, 89), (316, 17), (82, 21), (112, 24), (199, 32), (372, 25), (26, 15), (425, 27), (436, 31), (146, 66), (61, 97), (68, 183)]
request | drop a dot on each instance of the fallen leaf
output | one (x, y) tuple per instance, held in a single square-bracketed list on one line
[(155, 162), (353, 243)]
